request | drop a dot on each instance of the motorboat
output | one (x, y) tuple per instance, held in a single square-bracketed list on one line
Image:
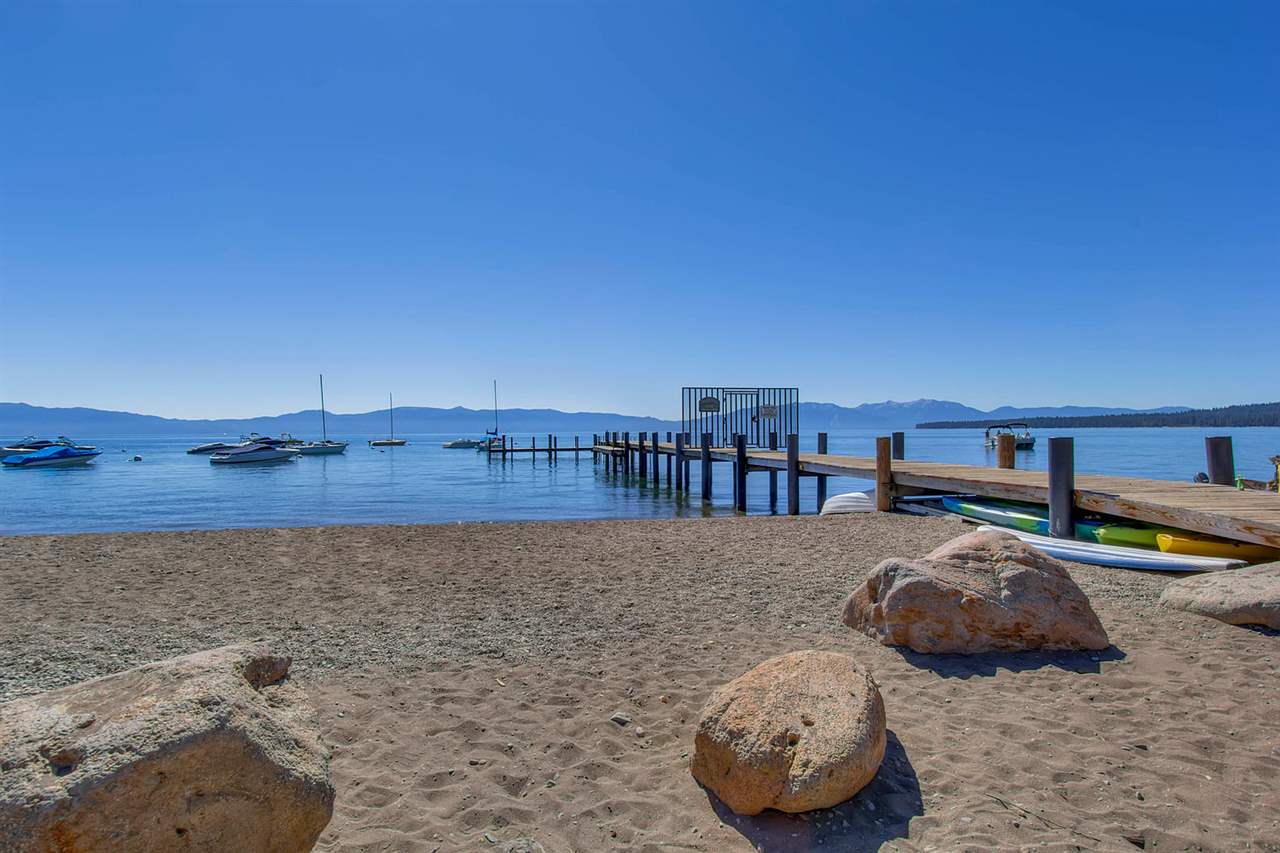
[(1023, 440), (255, 438), (465, 444), (31, 444), (324, 447), (253, 453), (52, 456), (212, 447), (392, 441)]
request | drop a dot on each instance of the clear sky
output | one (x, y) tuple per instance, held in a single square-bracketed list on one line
[(203, 205)]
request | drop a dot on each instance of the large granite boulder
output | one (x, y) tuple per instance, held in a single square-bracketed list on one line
[(801, 731), (981, 592), (1248, 596), (212, 751)]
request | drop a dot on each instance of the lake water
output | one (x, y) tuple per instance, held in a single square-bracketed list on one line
[(423, 483)]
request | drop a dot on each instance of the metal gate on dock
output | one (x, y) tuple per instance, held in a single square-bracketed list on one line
[(753, 412)]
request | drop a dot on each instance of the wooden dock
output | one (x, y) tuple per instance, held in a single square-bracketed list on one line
[(1220, 510)]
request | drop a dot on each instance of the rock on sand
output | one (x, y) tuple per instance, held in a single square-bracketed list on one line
[(984, 591), (801, 731), (1248, 596), (207, 752)]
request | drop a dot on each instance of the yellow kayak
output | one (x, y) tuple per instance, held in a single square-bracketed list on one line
[(1176, 543)]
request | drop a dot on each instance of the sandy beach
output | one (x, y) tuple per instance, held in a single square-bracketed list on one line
[(465, 676)]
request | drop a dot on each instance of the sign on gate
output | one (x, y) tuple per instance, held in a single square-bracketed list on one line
[(750, 412)]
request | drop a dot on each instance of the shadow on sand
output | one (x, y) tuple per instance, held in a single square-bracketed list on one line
[(878, 813), (989, 663)]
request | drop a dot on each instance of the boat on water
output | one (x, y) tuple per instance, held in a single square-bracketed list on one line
[(53, 456), (211, 447), (1021, 440), (323, 447), (31, 444), (392, 441), (247, 453), (479, 443)]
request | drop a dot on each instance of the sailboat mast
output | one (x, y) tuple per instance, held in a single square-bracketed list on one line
[(324, 430), (391, 404), (495, 407)]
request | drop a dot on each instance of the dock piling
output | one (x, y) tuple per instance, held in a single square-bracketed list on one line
[(679, 461), (822, 478), (669, 455), (642, 458), (1221, 460), (884, 473), (740, 472), (1062, 487), (793, 474), (706, 466), (1006, 444), (899, 445), (773, 476)]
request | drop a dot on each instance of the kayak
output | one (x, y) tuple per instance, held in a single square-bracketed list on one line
[(1134, 535), (1119, 557), (1028, 517), (1179, 543)]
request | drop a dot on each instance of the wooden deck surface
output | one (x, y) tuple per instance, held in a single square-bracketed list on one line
[(1246, 516)]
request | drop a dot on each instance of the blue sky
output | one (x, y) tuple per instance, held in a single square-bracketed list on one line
[(203, 205)]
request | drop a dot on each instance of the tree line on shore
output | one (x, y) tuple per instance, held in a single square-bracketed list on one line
[(1247, 415)]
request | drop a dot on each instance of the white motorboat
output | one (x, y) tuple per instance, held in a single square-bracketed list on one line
[(464, 444), (253, 453), (212, 447), (1021, 440)]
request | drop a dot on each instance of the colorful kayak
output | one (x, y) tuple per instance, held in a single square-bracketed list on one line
[(1114, 556), (1180, 543), (1028, 517)]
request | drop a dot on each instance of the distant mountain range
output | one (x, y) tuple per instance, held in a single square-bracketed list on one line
[(1248, 415), (20, 419)]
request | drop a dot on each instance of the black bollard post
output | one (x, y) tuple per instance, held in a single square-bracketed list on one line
[(1062, 487)]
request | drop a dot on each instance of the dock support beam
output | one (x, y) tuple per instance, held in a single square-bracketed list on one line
[(899, 445), (1221, 460), (1006, 444), (793, 474), (884, 473), (656, 457), (773, 476), (706, 466), (740, 472), (1062, 487), (679, 461), (822, 478), (643, 457), (626, 454), (669, 455), (688, 440)]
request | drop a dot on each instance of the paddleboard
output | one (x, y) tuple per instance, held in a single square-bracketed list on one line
[(1027, 517), (1177, 543), (1119, 557)]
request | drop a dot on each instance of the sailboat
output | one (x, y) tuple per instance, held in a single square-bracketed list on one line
[(323, 447), (392, 441), (478, 443)]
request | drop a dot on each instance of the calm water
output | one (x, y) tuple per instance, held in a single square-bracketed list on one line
[(169, 490)]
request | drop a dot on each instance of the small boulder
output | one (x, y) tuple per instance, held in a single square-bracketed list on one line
[(982, 592), (1249, 596), (210, 751), (801, 731)]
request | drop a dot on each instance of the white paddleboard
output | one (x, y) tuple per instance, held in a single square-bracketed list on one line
[(1118, 557)]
